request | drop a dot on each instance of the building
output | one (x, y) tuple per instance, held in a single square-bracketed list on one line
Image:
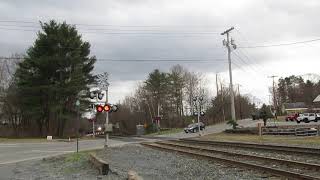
[(316, 103), (297, 107)]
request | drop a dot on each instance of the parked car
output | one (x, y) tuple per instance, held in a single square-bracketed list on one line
[(308, 117), (292, 117), (194, 127)]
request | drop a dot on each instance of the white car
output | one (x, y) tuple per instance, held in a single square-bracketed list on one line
[(307, 117)]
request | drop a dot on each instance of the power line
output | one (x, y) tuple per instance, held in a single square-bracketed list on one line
[(114, 25), (282, 44), (245, 53), (145, 60), (112, 29), (160, 34), (244, 70), (245, 63)]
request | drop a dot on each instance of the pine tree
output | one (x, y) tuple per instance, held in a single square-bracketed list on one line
[(56, 68)]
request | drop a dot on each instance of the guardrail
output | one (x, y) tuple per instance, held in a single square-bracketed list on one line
[(99, 164)]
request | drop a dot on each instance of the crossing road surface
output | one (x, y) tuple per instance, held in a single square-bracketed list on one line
[(17, 152), (11, 153)]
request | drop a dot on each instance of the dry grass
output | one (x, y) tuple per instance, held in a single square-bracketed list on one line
[(170, 131), (289, 140)]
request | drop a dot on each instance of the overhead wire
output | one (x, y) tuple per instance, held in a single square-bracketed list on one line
[(145, 60), (281, 44), (114, 25), (245, 53), (245, 63)]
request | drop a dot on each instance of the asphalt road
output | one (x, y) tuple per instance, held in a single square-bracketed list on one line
[(12, 153), (17, 152), (212, 129)]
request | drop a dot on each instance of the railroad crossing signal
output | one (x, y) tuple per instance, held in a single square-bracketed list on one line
[(106, 108), (99, 108), (97, 96)]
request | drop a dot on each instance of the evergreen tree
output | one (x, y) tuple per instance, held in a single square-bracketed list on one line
[(56, 68), (265, 113)]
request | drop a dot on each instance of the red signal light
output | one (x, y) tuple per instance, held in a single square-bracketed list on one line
[(99, 108), (106, 108)]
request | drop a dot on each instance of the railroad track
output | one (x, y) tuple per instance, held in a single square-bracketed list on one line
[(278, 167), (279, 148)]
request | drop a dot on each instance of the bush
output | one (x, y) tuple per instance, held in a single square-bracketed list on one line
[(232, 123), (151, 128), (251, 130)]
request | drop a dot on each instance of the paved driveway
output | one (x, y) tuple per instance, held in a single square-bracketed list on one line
[(217, 128)]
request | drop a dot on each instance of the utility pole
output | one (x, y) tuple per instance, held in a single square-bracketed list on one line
[(217, 89), (239, 101), (222, 102), (228, 44), (107, 120), (274, 94), (158, 117), (217, 84)]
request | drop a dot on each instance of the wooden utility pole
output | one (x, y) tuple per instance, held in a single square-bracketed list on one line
[(217, 84), (229, 44), (240, 110), (222, 102), (274, 94)]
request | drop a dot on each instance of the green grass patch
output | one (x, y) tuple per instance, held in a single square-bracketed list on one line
[(74, 162), (290, 140), (76, 157), (170, 131)]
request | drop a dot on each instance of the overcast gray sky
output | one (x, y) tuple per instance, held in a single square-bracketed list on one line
[(178, 29)]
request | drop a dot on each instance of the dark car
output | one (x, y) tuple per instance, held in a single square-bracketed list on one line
[(194, 127), (255, 116)]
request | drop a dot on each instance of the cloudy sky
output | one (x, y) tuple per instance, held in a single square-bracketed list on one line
[(178, 30)]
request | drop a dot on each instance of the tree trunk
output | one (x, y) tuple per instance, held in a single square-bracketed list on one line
[(39, 122)]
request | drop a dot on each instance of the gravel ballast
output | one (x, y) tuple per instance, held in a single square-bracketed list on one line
[(146, 162), (154, 164)]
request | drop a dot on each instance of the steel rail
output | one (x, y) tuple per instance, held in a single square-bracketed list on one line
[(270, 159), (279, 148), (278, 172)]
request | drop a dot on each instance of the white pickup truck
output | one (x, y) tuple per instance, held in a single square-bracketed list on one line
[(308, 117)]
